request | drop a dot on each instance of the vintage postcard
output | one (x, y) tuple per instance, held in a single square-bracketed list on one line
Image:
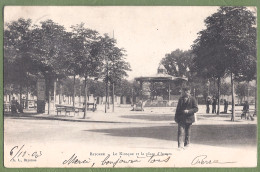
[(130, 86)]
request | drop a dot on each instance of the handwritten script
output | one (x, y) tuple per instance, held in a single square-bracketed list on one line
[(113, 160), (203, 160), (22, 154)]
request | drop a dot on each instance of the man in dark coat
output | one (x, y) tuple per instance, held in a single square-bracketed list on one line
[(208, 102), (214, 104), (14, 105), (225, 106), (184, 116), (245, 110)]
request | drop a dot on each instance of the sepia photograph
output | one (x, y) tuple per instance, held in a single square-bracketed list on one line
[(130, 86)]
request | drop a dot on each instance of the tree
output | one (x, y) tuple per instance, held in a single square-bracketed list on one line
[(114, 67), (159, 89), (124, 88), (17, 55), (226, 45), (97, 88), (90, 61), (241, 91), (117, 68), (79, 51), (136, 91), (225, 88), (178, 63), (209, 60), (49, 49)]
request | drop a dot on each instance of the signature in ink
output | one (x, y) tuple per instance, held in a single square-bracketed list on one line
[(203, 160)]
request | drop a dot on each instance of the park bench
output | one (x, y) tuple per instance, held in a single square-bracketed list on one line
[(60, 109), (82, 109), (68, 109)]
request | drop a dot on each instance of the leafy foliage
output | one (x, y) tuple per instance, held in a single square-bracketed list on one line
[(227, 44), (225, 89), (48, 50), (178, 63)]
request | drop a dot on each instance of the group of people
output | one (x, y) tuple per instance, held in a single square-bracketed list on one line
[(213, 101), (15, 106)]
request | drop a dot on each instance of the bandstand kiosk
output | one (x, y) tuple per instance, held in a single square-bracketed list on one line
[(161, 76)]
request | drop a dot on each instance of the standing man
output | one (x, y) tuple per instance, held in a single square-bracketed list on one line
[(208, 102), (246, 110), (14, 105), (225, 106), (184, 116), (214, 104)]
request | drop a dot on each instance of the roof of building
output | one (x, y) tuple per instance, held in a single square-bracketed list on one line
[(161, 76)]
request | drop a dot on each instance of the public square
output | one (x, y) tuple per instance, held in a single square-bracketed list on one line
[(152, 130)]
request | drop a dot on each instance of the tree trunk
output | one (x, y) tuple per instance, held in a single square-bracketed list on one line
[(132, 97), (256, 96), (21, 99), (49, 102), (169, 92), (79, 95), (208, 87), (106, 84), (108, 87), (113, 96), (219, 82), (106, 99), (74, 91), (27, 98), (214, 93), (60, 95), (54, 93), (86, 97), (20, 92), (248, 91), (233, 98)]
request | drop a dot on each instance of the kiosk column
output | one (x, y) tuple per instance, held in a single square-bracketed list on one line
[(41, 96)]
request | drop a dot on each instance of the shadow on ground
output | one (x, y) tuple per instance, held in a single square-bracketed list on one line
[(28, 116), (9, 114), (214, 135), (170, 117), (164, 117)]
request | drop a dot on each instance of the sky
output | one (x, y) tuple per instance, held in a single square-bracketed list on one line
[(146, 33)]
